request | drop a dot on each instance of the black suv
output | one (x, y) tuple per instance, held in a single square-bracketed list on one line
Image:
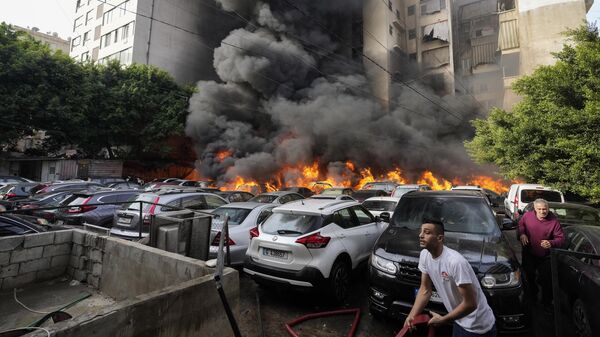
[(93, 207), (473, 231)]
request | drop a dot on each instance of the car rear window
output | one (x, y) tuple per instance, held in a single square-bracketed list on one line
[(531, 195), (148, 200), (78, 200), (466, 215), (291, 224), (264, 198), (380, 205), (400, 191), (236, 215)]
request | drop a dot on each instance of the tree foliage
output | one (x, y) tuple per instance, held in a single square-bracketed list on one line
[(553, 135), (112, 109)]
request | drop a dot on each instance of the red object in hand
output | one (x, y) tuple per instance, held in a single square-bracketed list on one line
[(419, 319)]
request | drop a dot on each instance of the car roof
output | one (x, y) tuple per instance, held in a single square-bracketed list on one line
[(410, 186), (277, 193), (103, 191), (534, 186), (445, 193), (467, 187), (369, 191), (247, 205), (314, 206), (395, 199)]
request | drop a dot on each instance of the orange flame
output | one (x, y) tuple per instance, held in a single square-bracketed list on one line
[(221, 155), (436, 184)]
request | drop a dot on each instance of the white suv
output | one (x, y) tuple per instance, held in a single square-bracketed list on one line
[(519, 195), (312, 243)]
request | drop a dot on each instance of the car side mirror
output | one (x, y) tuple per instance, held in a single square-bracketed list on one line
[(385, 216), (508, 224)]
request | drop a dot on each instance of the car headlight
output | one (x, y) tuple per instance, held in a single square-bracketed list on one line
[(384, 265), (504, 280)]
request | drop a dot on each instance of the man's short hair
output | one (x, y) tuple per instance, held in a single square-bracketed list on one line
[(439, 225), (540, 201)]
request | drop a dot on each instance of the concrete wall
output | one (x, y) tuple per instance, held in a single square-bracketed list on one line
[(33, 258)]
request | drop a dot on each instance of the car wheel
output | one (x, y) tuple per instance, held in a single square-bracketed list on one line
[(581, 320), (339, 280)]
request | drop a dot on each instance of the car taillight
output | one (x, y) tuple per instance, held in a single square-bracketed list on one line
[(153, 207), (254, 232), (314, 241), (215, 241), (9, 195), (81, 209)]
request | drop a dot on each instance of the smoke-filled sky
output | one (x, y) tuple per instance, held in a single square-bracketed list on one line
[(291, 93)]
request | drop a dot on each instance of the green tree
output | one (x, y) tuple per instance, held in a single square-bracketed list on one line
[(552, 136), (38, 88)]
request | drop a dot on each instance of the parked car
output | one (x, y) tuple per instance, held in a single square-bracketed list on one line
[(16, 191), (337, 191), (319, 186), (243, 216), (125, 185), (85, 207), (312, 243), (15, 224), (472, 230), (579, 279), (67, 186), (332, 197), (13, 180), (279, 197), (40, 200), (400, 190), (303, 191), (379, 205), (361, 195), (570, 214), (106, 180), (234, 196), (49, 214), (126, 221), (495, 199), (519, 195), (387, 186)]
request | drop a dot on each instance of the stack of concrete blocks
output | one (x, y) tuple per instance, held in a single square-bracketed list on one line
[(34, 258), (85, 264)]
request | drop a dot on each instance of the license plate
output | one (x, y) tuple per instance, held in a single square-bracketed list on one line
[(125, 220), (280, 254), (435, 297)]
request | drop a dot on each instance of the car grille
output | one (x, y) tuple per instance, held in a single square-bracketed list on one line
[(409, 271)]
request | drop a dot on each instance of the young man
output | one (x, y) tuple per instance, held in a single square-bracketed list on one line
[(539, 231), (456, 284)]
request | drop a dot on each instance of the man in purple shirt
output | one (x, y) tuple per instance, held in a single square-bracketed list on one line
[(539, 230)]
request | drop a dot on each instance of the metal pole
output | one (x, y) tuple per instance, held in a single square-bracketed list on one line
[(226, 230), (141, 221), (558, 328)]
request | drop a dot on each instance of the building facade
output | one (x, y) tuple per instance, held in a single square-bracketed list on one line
[(164, 33), (474, 48), (51, 39)]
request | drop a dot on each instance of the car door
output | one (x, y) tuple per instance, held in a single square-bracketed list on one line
[(369, 228), (351, 234)]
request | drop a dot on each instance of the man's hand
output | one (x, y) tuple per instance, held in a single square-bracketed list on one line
[(409, 322), (524, 239), (545, 244), (436, 319)]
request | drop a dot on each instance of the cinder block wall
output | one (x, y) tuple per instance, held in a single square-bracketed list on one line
[(85, 263), (33, 258)]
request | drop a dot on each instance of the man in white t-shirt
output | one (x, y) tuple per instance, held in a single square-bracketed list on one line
[(455, 282)]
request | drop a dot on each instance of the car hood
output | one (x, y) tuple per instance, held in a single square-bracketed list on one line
[(487, 254)]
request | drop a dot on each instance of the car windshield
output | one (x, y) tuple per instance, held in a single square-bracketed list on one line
[(134, 205), (380, 205), (236, 215), (466, 215), (332, 191), (264, 198), (291, 224), (400, 191), (530, 195)]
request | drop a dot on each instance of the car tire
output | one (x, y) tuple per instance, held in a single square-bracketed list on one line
[(339, 281), (581, 319)]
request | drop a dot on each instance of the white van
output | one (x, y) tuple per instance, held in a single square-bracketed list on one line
[(519, 195)]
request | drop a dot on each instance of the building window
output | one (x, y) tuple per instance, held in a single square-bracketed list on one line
[(85, 56), (412, 34), (505, 5), (78, 22), (86, 37), (79, 5), (390, 4), (115, 12), (411, 10), (76, 41), (391, 30), (89, 16), (116, 33), (105, 41), (397, 14)]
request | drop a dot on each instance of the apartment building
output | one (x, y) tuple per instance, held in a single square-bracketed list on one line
[(474, 48), (164, 33), (53, 41)]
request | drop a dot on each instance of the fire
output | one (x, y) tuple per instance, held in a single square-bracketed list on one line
[(497, 186), (436, 184), (221, 155)]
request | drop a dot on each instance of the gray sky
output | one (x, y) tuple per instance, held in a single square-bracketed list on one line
[(57, 15)]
